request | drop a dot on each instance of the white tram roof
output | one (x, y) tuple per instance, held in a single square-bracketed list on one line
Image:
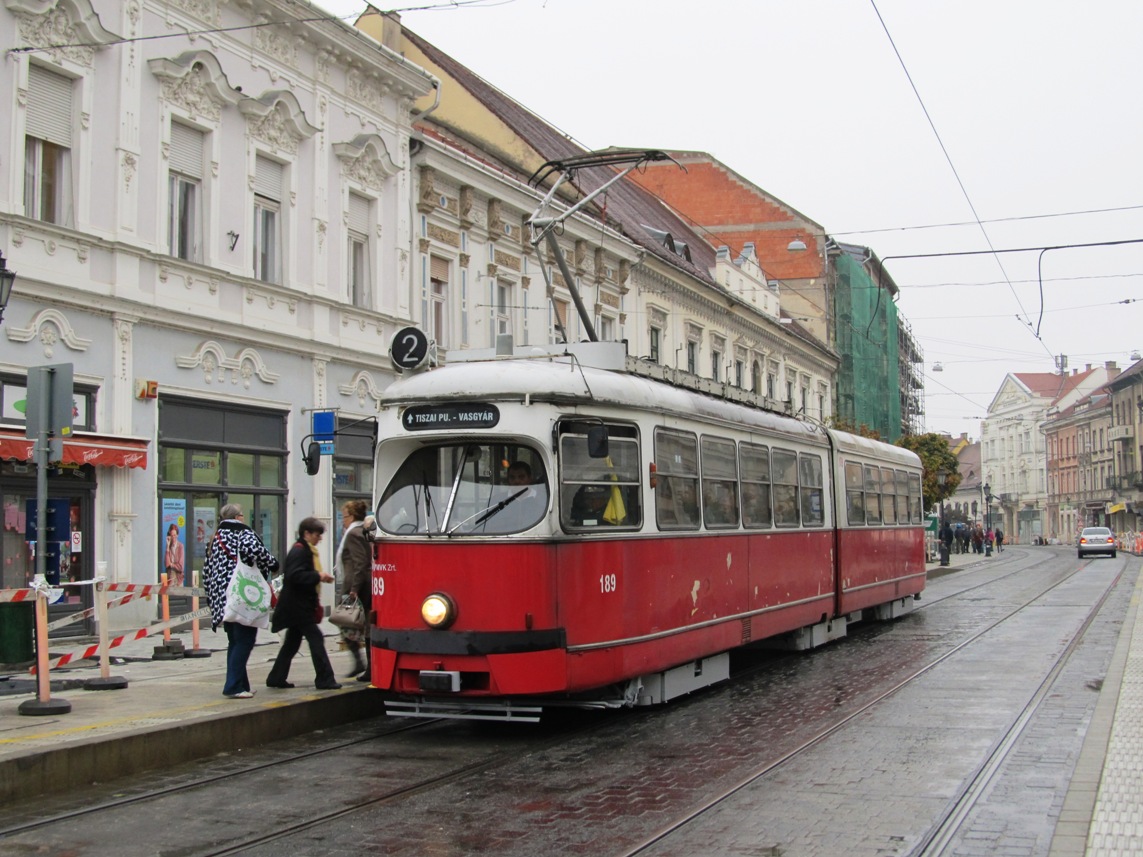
[(600, 373)]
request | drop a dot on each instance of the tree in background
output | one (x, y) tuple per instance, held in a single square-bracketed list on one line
[(933, 450), (847, 425)]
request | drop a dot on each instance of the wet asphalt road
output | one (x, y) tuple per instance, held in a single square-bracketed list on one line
[(614, 783)]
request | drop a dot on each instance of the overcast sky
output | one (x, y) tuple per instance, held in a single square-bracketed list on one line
[(1037, 104)]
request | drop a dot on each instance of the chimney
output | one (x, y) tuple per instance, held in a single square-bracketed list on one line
[(1112, 370)]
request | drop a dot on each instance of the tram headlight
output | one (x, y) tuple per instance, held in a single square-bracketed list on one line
[(438, 610)]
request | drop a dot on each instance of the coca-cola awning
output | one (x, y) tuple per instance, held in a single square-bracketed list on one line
[(82, 448)]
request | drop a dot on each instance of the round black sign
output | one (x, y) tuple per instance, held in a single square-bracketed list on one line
[(409, 348)]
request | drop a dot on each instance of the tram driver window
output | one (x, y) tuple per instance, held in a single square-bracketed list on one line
[(599, 492), (463, 489)]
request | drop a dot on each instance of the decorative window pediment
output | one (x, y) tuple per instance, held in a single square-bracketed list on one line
[(195, 82), (278, 119), (366, 159), (47, 23)]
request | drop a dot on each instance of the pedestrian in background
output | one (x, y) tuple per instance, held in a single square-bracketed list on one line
[(999, 540), (355, 564), (233, 540), (299, 609)]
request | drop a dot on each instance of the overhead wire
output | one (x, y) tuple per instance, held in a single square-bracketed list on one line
[(952, 166)]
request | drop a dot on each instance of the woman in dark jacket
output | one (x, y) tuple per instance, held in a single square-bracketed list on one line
[(297, 610), (355, 562), (233, 539)]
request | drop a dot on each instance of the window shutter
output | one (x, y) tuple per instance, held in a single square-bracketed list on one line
[(438, 269), (358, 213), (268, 179), (49, 106), (186, 150)]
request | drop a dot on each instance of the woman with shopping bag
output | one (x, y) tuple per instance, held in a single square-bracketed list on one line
[(236, 547), (299, 609)]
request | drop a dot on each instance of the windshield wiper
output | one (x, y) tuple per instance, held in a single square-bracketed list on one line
[(485, 514)]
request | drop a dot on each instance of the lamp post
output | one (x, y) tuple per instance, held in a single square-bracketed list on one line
[(7, 279)]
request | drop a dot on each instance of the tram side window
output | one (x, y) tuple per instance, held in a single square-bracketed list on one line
[(719, 483), (754, 465), (872, 495), (599, 492), (902, 496), (888, 497), (915, 498), (785, 472), (676, 497), (854, 494), (810, 484)]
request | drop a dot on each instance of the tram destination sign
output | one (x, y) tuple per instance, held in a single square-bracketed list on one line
[(459, 416)]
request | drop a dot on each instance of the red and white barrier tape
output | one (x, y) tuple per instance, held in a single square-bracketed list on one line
[(91, 651), (17, 595)]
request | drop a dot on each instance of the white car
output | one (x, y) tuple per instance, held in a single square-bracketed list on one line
[(1095, 540)]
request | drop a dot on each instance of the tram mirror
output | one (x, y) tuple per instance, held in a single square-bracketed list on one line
[(312, 459), (597, 442)]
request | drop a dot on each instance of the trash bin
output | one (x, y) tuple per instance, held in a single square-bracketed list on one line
[(17, 630)]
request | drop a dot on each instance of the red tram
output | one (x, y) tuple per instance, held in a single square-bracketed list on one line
[(558, 528)]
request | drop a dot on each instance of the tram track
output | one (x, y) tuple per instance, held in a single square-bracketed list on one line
[(433, 767), (431, 773), (943, 831)]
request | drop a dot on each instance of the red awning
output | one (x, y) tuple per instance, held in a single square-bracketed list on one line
[(95, 449)]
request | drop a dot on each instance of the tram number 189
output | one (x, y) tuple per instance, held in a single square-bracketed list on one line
[(608, 583)]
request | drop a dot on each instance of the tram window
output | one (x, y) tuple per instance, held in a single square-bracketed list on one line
[(600, 492), (810, 486), (754, 467), (854, 494), (719, 483), (785, 488), (465, 489), (915, 498), (902, 479), (676, 497), (872, 495), (888, 497)]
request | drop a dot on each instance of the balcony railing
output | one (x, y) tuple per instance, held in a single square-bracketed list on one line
[(1120, 433), (1125, 481)]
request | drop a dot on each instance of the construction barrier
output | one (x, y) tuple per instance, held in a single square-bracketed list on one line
[(41, 592)]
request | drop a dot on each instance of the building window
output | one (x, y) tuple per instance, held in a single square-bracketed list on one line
[(436, 316), (739, 372), (47, 148), (756, 377), (606, 329), (692, 357), (656, 344), (184, 187), (357, 247), (715, 362), (503, 308), (560, 321), (267, 220)]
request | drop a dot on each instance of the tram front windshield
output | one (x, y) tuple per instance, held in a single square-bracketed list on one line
[(462, 489)]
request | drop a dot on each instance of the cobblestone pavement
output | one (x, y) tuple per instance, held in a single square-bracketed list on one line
[(876, 786)]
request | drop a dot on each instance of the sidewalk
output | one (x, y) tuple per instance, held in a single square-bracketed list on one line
[(171, 711)]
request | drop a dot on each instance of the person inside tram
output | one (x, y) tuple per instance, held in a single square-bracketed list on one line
[(519, 473), (589, 506)]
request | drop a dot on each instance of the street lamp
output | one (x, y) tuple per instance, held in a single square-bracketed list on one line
[(7, 279)]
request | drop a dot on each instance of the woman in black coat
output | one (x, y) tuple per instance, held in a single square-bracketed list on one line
[(297, 610)]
